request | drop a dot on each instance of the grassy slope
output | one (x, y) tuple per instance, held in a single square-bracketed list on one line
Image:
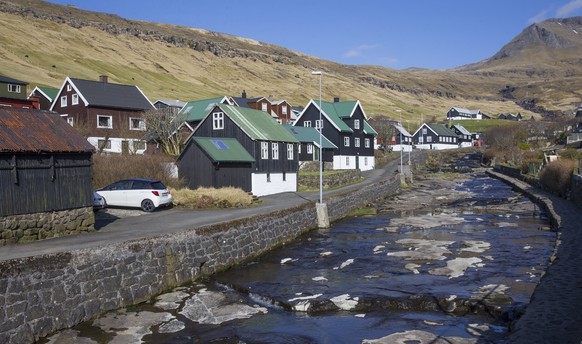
[(163, 71)]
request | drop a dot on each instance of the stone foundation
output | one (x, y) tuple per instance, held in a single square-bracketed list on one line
[(336, 179), (17, 229)]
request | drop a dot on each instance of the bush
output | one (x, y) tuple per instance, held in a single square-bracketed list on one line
[(556, 176), (201, 198), (110, 168)]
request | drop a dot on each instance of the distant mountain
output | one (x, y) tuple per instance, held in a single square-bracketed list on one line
[(42, 43)]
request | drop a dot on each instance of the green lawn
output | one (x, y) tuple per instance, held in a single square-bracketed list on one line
[(479, 126)]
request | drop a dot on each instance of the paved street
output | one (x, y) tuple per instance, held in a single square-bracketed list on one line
[(166, 221)]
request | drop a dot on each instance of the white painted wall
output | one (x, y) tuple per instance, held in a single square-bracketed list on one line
[(115, 144), (367, 163), (437, 146), (398, 148), (262, 187), (348, 162)]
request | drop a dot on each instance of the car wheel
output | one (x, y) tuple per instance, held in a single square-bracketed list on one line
[(147, 205)]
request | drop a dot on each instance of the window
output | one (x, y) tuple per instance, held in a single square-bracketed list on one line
[(218, 121), (264, 150), (264, 107), (275, 148), (104, 144), (346, 141), (347, 161), (70, 120), (356, 124), (307, 124), (367, 143), (136, 124), (289, 151), (365, 161), (139, 145), (104, 121), (357, 142), (14, 88), (69, 88), (63, 101), (424, 131), (429, 139), (299, 148), (75, 99), (284, 109), (310, 149), (318, 124)]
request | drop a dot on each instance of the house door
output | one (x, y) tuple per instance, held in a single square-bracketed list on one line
[(357, 162), (124, 147)]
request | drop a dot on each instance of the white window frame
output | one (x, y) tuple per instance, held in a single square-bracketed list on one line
[(424, 131), (346, 141), (218, 120), (367, 143), (318, 124), (264, 107), (299, 148), (64, 101), (13, 88), (284, 109), (356, 124), (264, 150), (307, 124), (356, 142), (309, 148), (347, 161), (69, 88), (429, 139), (71, 121), (141, 126), (106, 146), (275, 150), (74, 99), (110, 121), (289, 151)]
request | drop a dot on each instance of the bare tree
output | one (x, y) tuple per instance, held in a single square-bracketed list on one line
[(162, 125)]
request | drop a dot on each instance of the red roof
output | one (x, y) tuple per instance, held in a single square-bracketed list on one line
[(26, 130)]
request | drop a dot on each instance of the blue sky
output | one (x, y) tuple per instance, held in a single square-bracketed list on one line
[(391, 33)]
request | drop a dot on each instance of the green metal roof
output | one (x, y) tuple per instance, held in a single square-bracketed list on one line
[(223, 149), (50, 92), (441, 130), (258, 125), (198, 109), (309, 134), (335, 111), (369, 130)]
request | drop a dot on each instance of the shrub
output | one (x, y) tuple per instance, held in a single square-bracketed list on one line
[(201, 198), (555, 177), (110, 168)]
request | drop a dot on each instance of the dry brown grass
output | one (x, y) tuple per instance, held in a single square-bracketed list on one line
[(556, 176), (201, 198)]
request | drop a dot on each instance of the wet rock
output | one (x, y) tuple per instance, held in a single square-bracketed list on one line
[(170, 300), (321, 307), (172, 327), (455, 267), (419, 337), (345, 302)]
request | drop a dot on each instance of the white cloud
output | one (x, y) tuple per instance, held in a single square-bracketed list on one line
[(567, 9), (390, 62), (543, 15), (358, 51)]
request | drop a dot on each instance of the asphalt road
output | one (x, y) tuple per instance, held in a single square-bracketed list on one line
[(112, 229)]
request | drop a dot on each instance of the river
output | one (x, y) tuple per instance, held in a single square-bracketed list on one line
[(446, 261)]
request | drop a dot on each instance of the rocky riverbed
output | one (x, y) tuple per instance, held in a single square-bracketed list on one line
[(451, 259)]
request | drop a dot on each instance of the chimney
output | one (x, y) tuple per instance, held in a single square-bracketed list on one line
[(103, 78), (336, 99), (271, 98), (244, 94)]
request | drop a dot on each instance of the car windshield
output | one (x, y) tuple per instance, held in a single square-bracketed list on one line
[(158, 186)]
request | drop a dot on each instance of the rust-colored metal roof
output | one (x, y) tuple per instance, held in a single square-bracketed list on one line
[(26, 130)]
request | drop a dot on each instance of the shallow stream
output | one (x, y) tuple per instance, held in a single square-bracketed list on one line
[(450, 263)]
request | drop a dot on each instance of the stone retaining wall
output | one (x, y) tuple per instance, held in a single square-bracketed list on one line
[(576, 190), (332, 180), (43, 294), (30, 227)]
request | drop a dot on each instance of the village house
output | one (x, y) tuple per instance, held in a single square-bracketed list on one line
[(13, 94), (108, 114), (345, 125), (457, 113), (465, 137), (46, 95), (435, 136), (174, 105), (402, 140), (215, 153), (45, 177), (308, 148)]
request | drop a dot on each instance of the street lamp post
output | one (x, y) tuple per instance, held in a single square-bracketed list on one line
[(320, 134)]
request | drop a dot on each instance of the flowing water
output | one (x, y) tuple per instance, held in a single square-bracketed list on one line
[(450, 271)]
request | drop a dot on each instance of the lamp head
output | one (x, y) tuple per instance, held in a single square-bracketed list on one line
[(316, 73)]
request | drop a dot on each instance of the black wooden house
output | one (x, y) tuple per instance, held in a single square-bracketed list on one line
[(45, 165), (240, 147)]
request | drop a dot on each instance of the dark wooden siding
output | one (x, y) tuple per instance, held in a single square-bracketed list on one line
[(44, 182), (199, 171)]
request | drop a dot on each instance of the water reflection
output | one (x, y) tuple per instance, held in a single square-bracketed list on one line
[(456, 269)]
